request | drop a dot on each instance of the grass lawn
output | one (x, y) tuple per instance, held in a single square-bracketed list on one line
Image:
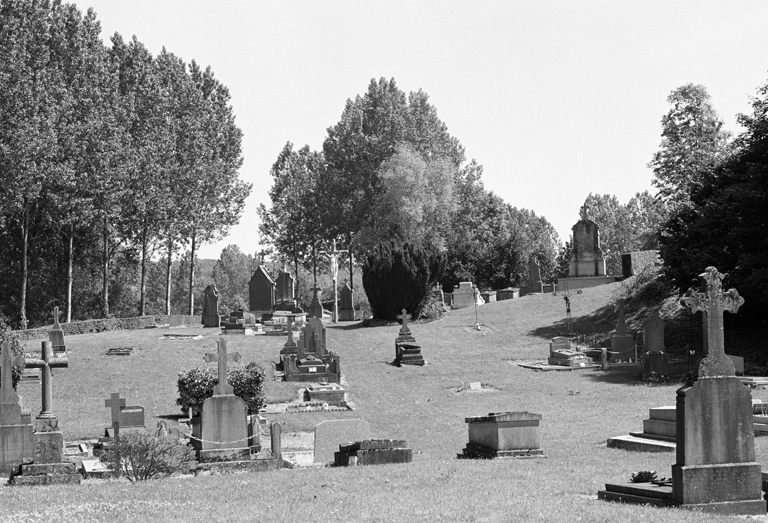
[(425, 406)]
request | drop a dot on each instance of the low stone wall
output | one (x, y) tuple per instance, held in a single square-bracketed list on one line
[(111, 324)]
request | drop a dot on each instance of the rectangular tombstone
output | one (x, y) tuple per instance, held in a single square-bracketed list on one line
[(224, 429), (373, 452), (503, 434), (330, 392), (132, 416), (508, 294), (261, 291), (465, 295)]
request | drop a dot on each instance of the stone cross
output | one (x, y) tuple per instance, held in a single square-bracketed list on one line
[(56, 334), (291, 342), (713, 302), (46, 420), (404, 317), (115, 402), (7, 361), (222, 387)]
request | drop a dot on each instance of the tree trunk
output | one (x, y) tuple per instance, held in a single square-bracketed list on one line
[(192, 277), (70, 263), (168, 276), (105, 271), (24, 255), (143, 297)]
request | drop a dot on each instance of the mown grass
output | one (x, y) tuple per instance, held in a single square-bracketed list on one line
[(423, 405)]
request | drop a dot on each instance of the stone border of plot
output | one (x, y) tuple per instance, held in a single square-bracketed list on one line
[(111, 324)]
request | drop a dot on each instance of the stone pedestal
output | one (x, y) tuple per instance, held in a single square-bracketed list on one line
[(622, 347), (16, 445), (330, 392), (407, 353), (46, 474), (224, 429), (503, 434)]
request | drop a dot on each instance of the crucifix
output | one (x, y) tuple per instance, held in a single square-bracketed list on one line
[(221, 356), (333, 255), (114, 403), (713, 302), (46, 421), (7, 361), (404, 330)]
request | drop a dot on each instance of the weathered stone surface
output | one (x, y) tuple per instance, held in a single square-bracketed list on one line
[(503, 434), (49, 447), (586, 254)]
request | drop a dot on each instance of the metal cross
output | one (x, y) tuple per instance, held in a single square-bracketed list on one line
[(222, 387), (713, 302)]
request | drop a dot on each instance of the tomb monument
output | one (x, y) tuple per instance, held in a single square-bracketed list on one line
[(586, 267)]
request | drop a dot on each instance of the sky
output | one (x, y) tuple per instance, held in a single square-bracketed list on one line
[(556, 99)]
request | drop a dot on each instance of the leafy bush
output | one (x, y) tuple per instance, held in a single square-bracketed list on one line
[(7, 336), (400, 277), (196, 385), (141, 456)]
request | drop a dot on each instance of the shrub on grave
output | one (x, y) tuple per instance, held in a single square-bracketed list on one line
[(7, 336), (196, 385), (141, 456), (397, 277)]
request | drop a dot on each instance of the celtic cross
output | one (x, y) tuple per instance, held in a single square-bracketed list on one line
[(712, 302)]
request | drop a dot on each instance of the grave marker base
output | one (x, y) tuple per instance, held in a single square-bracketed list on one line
[(477, 451), (45, 474)]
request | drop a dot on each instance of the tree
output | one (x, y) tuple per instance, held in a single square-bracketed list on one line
[(416, 201), (293, 223), (726, 224), (397, 277), (28, 106), (231, 275), (693, 140)]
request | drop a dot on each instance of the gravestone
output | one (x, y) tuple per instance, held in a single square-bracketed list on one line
[(56, 334), (535, 284), (346, 307), (622, 342), (503, 435), (560, 353), (123, 416), (211, 307), (654, 363), (48, 466), (329, 434), (465, 295), (508, 294), (325, 392), (222, 427), (239, 322), (586, 254), (407, 351), (16, 432), (261, 291), (586, 266), (312, 361), (315, 308), (716, 470), (373, 452), (285, 292)]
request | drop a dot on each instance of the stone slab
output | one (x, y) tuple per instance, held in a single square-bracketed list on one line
[(639, 444), (329, 434), (660, 427)]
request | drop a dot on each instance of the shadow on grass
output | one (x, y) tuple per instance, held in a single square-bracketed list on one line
[(601, 321), (631, 376)]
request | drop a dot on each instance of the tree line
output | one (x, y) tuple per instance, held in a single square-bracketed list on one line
[(108, 154), (389, 171)]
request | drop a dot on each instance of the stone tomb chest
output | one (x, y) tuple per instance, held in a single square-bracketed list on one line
[(503, 434), (325, 392), (373, 452), (560, 353)]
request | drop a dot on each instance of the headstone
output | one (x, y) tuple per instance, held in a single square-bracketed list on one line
[(373, 452), (586, 254), (312, 361), (622, 342), (56, 334), (329, 434), (535, 284), (123, 416), (16, 435), (261, 291), (276, 436), (211, 307), (503, 435), (315, 307), (47, 465), (715, 436), (716, 470), (222, 426), (285, 292), (407, 351), (346, 307), (239, 322), (466, 295), (654, 363)]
